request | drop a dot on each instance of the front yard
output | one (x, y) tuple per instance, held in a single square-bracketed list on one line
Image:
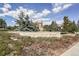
[(14, 44)]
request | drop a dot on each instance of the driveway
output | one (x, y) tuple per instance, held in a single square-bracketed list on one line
[(74, 51)]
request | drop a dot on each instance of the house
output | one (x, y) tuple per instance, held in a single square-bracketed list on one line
[(39, 24)]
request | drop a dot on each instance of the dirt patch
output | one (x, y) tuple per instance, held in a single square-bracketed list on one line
[(48, 46), (41, 46)]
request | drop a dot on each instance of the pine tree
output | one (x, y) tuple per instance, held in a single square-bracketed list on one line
[(54, 26), (74, 28), (69, 26), (2, 23), (24, 23), (78, 25), (66, 24)]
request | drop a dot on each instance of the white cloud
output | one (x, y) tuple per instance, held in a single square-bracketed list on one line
[(10, 13), (67, 6), (6, 8), (57, 4), (44, 13), (46, 21), (30, 12), (38, 15), (56, 10), (60, 7), (15, 13), (59, 22), (35, 15)]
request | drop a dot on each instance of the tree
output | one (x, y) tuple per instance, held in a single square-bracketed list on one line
[(24, 23), (52, 27), (74, 28), (47, 28), (11, 27), (2, 23), (78, 25), (65, 24), (69, 26)]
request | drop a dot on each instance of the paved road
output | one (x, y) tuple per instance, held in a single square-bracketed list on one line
[(74, 51)]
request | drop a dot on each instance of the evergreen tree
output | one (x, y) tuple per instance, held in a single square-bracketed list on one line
[(54, 26), (69, 26), (66, 24), (2, 23), (24, 23), (74, 28), (47, 28), (78, 25)]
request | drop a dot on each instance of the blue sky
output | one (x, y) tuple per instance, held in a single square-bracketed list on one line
[(45, 12)]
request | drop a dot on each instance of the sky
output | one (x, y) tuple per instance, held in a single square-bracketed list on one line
[(45, 12)]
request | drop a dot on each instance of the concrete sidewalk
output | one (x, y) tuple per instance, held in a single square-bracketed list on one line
[(74, 51)]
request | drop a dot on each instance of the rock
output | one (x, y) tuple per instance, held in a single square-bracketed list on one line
[(14, 38)]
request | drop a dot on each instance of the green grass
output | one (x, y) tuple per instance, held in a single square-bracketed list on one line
[(5, 40)]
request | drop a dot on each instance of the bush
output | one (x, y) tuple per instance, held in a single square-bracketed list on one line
[(63, 32)]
